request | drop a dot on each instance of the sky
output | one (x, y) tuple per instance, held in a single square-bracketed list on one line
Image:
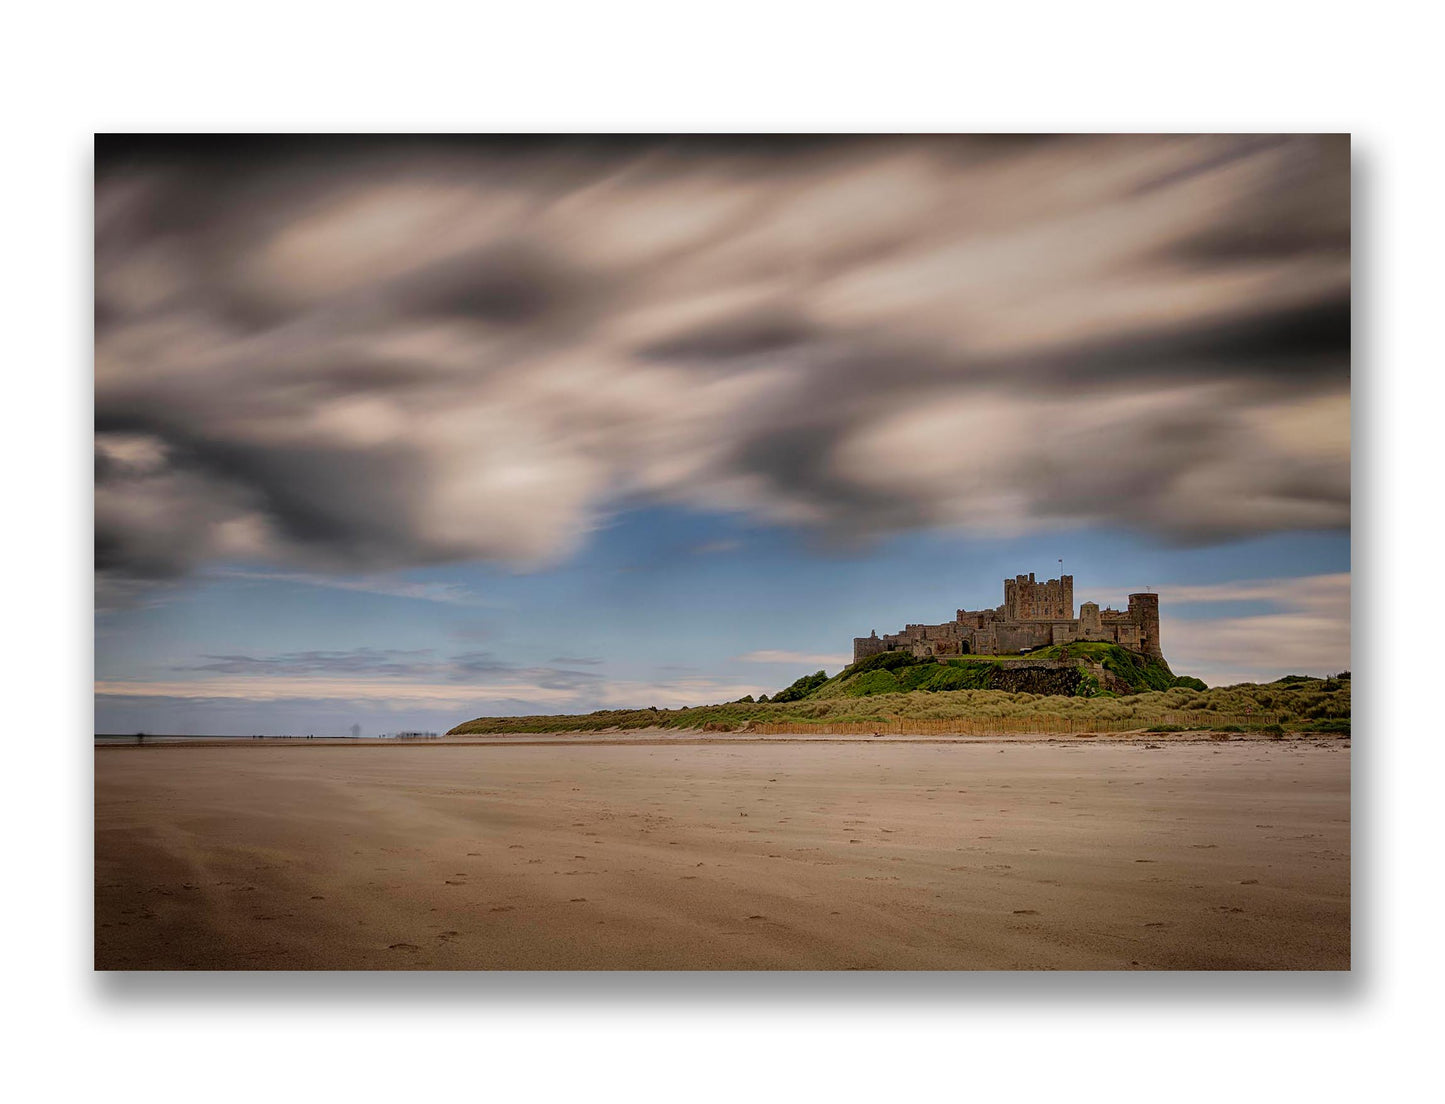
[(397, 432)]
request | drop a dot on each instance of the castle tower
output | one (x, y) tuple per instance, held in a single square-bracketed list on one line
[(1025, 599), (1144, 612), (865, 646)]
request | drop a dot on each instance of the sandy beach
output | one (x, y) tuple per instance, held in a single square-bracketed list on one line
[(724, 854)]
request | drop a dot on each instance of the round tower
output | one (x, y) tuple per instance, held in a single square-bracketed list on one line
[(1144, 612)]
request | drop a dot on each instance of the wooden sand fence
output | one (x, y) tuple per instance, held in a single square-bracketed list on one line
[(1044, 725), (1201, 718)]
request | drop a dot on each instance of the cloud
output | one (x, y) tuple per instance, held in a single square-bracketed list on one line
[(1307, 631), (394, 694), (293, 664), (769, 655), (452, 594), (289, 686), (370, 673), (360, 356)]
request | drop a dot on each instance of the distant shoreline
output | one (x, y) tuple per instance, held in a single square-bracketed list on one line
[(695, 737)]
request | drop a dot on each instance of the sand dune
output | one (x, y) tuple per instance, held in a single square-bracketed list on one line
[(724, 855)]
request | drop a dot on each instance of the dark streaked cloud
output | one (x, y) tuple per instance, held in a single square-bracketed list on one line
[(357, 661), (417, 665), (354, 355), (452, 594)]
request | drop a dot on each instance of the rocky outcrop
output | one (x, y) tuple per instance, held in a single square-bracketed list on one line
[(1037, 680)]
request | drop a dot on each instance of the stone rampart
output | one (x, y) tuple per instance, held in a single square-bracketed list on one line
[(1033, 615)]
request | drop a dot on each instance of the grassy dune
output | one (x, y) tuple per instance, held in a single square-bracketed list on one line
[(1296, 703)]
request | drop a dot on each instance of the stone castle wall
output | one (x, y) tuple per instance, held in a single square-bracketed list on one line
[(1033, 615)]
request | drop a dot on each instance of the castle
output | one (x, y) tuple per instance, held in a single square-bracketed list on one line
[(1033, 615)]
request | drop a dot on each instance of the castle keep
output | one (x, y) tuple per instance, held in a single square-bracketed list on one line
[(1033, 615)]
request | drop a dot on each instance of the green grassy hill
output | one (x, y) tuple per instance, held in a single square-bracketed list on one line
[(900, 672), (916, 691)]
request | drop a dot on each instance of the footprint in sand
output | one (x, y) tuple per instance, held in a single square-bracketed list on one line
[(576, 900), (1026, 912)]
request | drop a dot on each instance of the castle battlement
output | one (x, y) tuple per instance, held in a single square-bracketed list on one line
[(1033, 615)]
